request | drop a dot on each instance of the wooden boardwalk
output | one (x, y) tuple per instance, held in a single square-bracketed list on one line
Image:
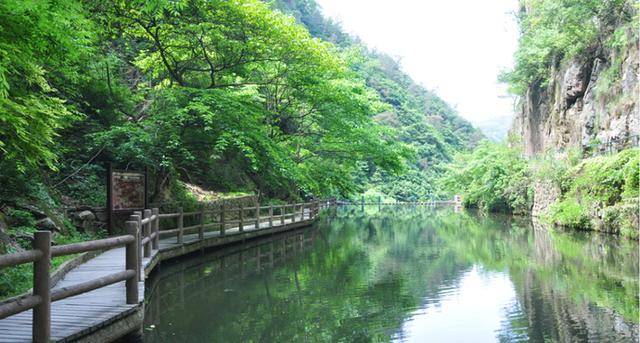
[(75, 317)]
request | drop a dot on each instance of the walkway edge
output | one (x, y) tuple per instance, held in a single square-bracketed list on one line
[(131, 321)]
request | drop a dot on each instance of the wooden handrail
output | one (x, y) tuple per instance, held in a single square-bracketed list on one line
[(66, 292), (42, 297), (152, 218), (19, 305), (17, 258), (101, 244)]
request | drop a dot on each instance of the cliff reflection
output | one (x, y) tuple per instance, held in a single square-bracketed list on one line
[(374, 274)]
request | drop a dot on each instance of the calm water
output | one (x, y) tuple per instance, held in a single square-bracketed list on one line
[(408, 274)]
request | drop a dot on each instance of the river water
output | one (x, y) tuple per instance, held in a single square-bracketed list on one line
[(409, 274)]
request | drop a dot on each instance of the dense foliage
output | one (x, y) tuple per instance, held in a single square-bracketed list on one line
[(228, 95), (598, 193), (494, 177), (605, 184), (557, 30)]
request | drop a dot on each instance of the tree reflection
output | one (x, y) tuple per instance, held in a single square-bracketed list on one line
[(359, 275)]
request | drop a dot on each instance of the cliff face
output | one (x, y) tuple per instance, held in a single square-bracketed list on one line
[(590, 102)]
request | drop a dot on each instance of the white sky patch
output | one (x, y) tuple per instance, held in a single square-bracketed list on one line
[(471, 311), (455, 47)]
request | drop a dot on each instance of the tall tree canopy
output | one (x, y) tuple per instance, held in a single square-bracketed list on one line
[(226, 94)]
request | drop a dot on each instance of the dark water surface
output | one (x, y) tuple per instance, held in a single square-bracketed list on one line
[(403, 274)]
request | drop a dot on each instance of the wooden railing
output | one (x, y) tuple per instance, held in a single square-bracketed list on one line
[(223, 218), (42, 296), (143, 236)]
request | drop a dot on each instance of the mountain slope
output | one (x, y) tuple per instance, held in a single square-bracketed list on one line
[(422, 119)]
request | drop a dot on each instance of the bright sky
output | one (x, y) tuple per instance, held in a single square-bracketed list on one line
[(455, 47)]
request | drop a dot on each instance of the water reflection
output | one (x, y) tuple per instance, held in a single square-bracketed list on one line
[(404, 274)]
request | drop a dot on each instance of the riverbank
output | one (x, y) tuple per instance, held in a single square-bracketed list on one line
[(599, 193)]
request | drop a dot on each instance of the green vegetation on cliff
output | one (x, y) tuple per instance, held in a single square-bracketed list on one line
[(601, 193), (557, 30), (598, 193)]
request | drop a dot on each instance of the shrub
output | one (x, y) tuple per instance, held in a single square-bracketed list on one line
[(604, 184), (569, 213), (494, 177)]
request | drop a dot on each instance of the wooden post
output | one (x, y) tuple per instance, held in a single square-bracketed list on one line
[(270, 215), (136, 218), (131, 263), (222, 218), (180, 225), (282, 211), (257, 226), (147, 233), (156, 229), (241, 215), (41, 327), (201, 228)]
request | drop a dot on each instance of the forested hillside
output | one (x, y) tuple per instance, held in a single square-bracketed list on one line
[(422, 120), (243, 96), (227, 95)]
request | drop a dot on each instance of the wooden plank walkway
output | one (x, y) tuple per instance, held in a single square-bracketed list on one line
[(74, 317)]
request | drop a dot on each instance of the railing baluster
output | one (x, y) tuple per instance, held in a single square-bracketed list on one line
[(282, 213), (201, 228), (140, 232), (132, 263), (136, 218), (181, 226), (41, 326), (241, 224), (156, 229), (257, 226), (222, 219), (147, 233), (270, 215)]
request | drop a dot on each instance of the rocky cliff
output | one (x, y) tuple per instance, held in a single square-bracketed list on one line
[(587, 101), (590, 103)]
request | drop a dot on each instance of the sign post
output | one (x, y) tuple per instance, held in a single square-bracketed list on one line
[(126, 192)]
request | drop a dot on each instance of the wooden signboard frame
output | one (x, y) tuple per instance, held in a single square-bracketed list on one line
[(127, 191)]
